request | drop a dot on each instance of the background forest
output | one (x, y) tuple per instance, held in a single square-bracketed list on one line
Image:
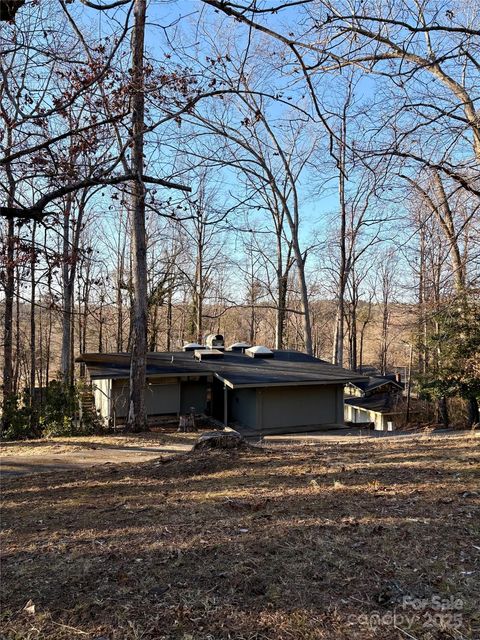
[(301, 175)]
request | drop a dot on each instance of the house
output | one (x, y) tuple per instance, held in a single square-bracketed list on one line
[(374, 385), (255, 390), (375, 400)]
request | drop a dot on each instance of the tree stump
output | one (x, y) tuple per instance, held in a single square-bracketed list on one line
[(219, 440), (186, 423)]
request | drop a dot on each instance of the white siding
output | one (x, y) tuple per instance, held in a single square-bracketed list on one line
[(358, 416), (102, 390)]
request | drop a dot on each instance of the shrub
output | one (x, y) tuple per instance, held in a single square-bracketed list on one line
[(17, 419), (58, 415)]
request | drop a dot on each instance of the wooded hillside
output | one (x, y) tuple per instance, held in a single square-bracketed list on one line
[(300, 174)]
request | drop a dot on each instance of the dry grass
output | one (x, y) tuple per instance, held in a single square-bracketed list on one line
[(303, 543), (66, 445)]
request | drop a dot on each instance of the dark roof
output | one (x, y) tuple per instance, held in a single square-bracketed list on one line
[(383, 403), (373, 382), (236, 369), (117, 365)]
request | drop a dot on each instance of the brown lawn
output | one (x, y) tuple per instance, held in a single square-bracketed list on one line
[(64, 445), (343, 540)]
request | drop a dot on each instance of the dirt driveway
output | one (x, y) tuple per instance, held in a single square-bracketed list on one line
[(62, 454)]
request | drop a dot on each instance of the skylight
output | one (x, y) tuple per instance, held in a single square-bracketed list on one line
[(259, 352)]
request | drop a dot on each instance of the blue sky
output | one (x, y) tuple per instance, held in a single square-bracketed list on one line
[(318, 205)]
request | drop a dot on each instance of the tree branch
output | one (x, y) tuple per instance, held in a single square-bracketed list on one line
[(37, 212)]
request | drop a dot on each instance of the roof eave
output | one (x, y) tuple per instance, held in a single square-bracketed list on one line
[(303, 383)]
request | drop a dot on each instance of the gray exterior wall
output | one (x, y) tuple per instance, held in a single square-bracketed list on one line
[(263, 409), (193, 394), (160, 397), (298, 407), (119, 404), (243, 407), (286, 409)]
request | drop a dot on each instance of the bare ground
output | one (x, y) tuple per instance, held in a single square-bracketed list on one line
[(316, 542), (62, 454)]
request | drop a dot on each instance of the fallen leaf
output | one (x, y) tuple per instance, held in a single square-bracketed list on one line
[(29, 607)]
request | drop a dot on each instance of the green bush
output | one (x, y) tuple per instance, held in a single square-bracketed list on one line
[(17, 423), (57, 415)]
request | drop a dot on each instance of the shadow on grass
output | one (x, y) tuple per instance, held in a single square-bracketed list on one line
[(254, 544), (95, 442)]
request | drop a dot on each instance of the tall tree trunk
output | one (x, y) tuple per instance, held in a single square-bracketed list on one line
[(86, 307), (9, 290), (82, 320), (33, 341), (131, 298), (169, 319), (153, 342), (353, 336), (360, 354), (281, 314), (71, 243), (442, 409), (447, 224), (101, 322), (473, 413), (18, 333), (199, 291), (67, 295), (49, 331), (342, 276), (120, 283), (136, 412), (252, 324), (41, 363), (71, 377), (282, 271), (119, 318), (423, 351), (384, 339), (387, 278), (8, 320), (302, 282), (365, 321)]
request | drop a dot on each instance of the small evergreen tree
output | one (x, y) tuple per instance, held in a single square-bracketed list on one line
[(456, 371)]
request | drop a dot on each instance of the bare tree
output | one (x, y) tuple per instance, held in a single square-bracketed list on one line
[(399, 42), (136, 410), (262, 143)]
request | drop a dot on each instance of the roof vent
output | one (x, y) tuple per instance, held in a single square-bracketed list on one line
[(259, 352), (215, 341), (208, 354), (239, 346), (191, 346)]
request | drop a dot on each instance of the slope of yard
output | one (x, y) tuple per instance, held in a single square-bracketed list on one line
[(144, 442), (379, 539), (30, 457)]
